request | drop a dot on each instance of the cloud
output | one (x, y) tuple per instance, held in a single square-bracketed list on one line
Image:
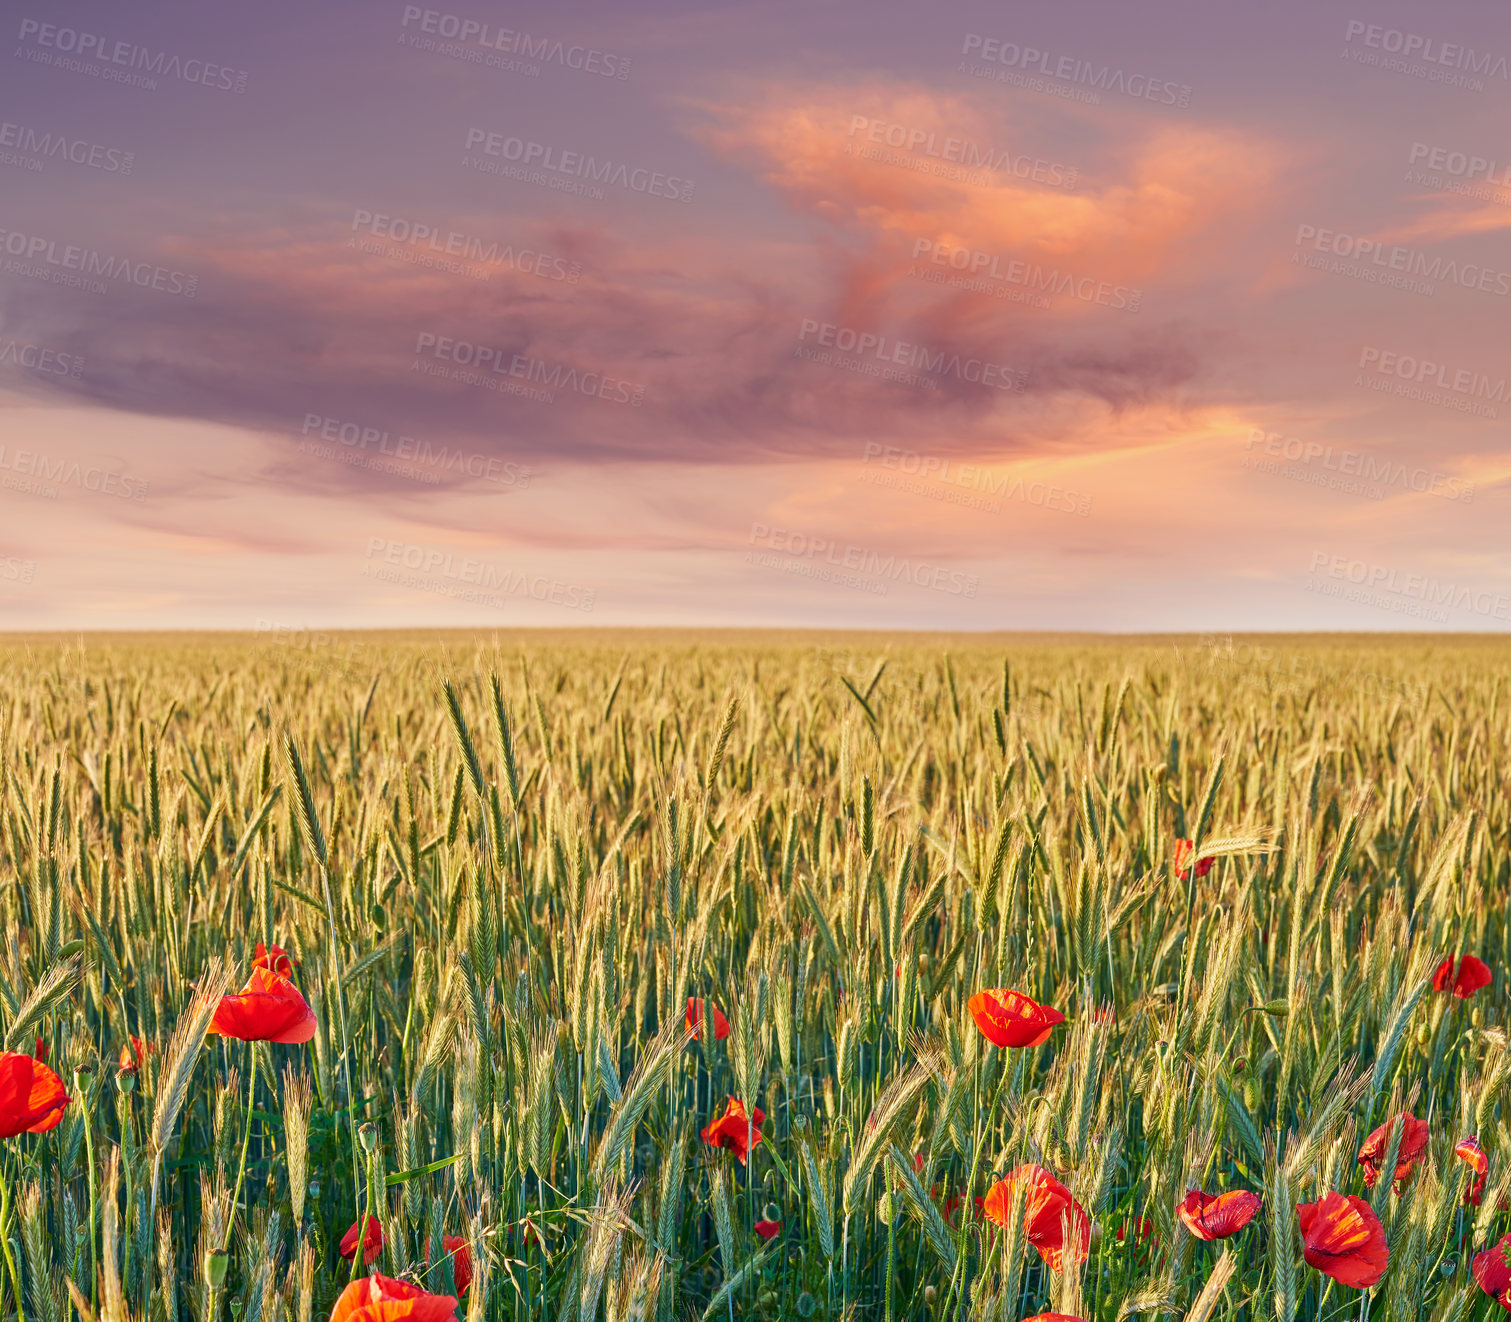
[(300, 320)]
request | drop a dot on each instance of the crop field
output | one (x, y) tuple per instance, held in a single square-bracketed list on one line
[(665, 976)]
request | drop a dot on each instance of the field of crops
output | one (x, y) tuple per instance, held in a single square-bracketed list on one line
[(640, 976)]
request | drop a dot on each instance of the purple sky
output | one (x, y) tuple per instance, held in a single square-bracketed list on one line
[(1094, 316)]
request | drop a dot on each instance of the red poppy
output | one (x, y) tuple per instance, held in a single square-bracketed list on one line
[(134, 1054), (1472, 1155), (461, 1259), (268, 1009), (383, 1299), (275, 959), (768, 1229), (1053, 1222), (1010, 1019), (372, 1242), (1471, 976), (1216, 1216), (695, 1019), (41, 1052), (1343, 1238), (32, 1099), (1492, 1270), (1414, 1136), (1143, 1229), (1183, 851), (735, 1130), (1053, 1317)]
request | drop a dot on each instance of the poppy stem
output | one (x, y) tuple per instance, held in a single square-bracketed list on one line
[(94, 1218), (10, 1262), (246, 1137)]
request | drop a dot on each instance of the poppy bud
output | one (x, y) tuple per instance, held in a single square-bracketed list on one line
[(930, 1296), (368, 1133), (773, 1212), (315, 1187), (1424, 1035), (806, 1304), (1094, 1239), (1474, 1016), (72, 948), (885, 1208), (378, 916), (1251, 1096), (216, 1262)]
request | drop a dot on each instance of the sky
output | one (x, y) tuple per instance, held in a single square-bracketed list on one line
[(963, 316)]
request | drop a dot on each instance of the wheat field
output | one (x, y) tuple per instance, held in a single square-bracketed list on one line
[(503, 868)]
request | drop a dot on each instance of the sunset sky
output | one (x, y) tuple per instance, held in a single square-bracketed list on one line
[(969, 316)]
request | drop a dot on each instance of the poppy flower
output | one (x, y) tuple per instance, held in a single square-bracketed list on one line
[(1010, 1019), (768, 1229), (1414, 1136), (41, 1052), (372, 1242), (1053, 1222), (461, 1259), (268, 1009), (1343, 1238), (695, 1020), (32, 1099), (275, 959), (1053, 1317), (1216, 1216), (383, 1299), (735, 1130), (1145, 1240), (134, 1054), (1183, 851), (1493, 1273), (1472, 974), (1472, 1155)]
